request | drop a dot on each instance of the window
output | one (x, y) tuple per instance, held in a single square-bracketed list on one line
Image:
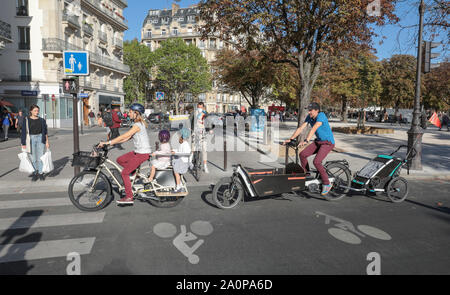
[(175, 31), (163, 32), (24, 38), (22, 8), (189, 29), (25, 70), (201, 44), (148, 34), (212, 43)]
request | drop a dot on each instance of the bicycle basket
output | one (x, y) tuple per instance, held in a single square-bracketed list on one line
[(84, 159)]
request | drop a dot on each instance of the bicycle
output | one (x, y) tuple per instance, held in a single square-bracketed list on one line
[(91, 190)]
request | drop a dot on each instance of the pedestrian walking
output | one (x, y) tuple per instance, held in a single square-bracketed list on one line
[(445, 121), (6, 122), (99, 120), (108, 122), (34, 140), (91, 116), (116, 125), (19, 122)]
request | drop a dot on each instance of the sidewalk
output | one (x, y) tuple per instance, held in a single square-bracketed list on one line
[(356, 149)]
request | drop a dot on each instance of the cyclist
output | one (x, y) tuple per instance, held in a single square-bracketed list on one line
[(200, 133), (323, 144), (142, 150)]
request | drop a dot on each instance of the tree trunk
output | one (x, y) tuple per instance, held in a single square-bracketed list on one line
[(344, 112)]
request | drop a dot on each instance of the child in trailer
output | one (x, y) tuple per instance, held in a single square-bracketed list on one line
[(161, 162), (181, 163)]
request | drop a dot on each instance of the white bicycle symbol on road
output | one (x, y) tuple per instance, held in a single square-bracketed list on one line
[(346, 232)]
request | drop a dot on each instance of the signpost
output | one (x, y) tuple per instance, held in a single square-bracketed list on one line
[(76, 63)]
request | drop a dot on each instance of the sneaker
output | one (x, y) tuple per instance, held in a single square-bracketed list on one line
[(42, 177), (326, 189), (125, 201), (179, 190), (35, 177)]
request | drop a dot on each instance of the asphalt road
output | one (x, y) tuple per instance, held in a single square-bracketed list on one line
[(39, 234)]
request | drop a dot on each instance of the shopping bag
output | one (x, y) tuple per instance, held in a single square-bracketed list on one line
[(47, 163), (25, 163)]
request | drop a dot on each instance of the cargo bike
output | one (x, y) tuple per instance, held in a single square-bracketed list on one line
[(255, 183)]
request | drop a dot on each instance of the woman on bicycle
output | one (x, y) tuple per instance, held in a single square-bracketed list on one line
[(132, 160)]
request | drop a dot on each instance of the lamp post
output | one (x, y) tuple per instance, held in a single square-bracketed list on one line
[(416, 132)]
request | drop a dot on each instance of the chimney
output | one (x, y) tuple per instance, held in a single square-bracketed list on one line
[(175, 8)]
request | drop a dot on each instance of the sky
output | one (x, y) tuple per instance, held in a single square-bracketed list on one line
[(394, 40)]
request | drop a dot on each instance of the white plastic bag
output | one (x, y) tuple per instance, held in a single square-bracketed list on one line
[(25, 163), (47, 163)]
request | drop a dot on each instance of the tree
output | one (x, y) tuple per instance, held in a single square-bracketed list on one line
[(246, 72), (398, 81), (181, 69), (140, 59), (301, 33), (437, 88)]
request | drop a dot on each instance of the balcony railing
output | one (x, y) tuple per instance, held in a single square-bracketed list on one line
[(5, 30), (25, 78), (88, 29), (22, 11), (24, 46), (54, 44), (118, 42), (97, 4), (102, 36), (72, 19)]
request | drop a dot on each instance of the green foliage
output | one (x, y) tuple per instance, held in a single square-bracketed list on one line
[(437, 88), (140, 60), (181, 69)]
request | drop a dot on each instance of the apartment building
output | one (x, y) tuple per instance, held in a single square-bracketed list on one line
[(31, 68), (159, 25)]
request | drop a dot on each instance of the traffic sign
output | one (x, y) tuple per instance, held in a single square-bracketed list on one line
[(76, 63), (159, 95), (70, 86)]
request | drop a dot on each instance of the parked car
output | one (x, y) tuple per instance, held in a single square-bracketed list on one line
[(157, 118)]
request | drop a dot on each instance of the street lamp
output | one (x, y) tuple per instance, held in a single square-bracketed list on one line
[(416, 132)]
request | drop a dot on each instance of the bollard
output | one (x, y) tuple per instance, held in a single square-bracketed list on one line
[(224, 149)]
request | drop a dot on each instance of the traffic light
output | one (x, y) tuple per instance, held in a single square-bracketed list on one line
[(427, 55), (70, 86)]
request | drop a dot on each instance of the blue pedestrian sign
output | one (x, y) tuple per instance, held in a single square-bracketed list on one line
[(159, 95), (76, 63)]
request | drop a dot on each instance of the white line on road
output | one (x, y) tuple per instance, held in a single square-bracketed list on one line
[(35, 203), (53, 220), (45, 249)]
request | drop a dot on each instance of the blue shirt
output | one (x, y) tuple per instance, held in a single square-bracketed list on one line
[(323, 133), (6, 118)]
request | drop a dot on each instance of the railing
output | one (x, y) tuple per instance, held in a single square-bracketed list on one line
[(5, 30), (102, 36), (24, 46), (25, 78), (97, 4), (88, 29), (54, 44), (22, 11), (73, 19), (118, 42)]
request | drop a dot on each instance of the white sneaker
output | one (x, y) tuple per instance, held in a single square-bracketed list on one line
[(205, 168)]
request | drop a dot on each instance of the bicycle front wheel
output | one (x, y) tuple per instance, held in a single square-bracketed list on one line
[(89, 192), (227, 194)]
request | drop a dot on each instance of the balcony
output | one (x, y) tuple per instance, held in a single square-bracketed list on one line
[(58, 45), (102, 36), (24, 46), (88, 30), (25, 78), (22, 11), (71, 19), (111, 15), (118, 43)]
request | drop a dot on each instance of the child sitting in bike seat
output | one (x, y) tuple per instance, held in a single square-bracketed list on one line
[(181, 163), (161, 162)]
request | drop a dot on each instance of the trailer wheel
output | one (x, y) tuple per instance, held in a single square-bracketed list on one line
[(397, 189)]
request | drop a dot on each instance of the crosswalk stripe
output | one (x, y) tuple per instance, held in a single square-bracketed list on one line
[(34, 203), (50, 221), (45, 249)]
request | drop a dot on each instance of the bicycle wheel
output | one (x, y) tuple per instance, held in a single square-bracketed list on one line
[(227, 194), (397, 189), (89, 193), (342, 178)]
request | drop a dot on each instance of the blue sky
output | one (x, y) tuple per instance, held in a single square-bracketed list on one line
[(393, 43)]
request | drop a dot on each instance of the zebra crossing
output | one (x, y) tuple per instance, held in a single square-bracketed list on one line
[(38, 216)]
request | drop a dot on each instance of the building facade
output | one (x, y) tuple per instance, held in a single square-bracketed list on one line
[(32, 66), (160, 25)]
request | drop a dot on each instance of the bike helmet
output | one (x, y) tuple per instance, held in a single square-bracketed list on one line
[(164, 136), (185, 133), (138, 108)]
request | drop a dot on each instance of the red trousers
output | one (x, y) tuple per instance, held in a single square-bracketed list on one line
[(322, 149), (130, 162)]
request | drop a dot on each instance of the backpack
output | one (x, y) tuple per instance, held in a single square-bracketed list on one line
[(107, 118)]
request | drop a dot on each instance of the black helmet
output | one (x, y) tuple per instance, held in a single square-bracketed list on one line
[(138, 108)]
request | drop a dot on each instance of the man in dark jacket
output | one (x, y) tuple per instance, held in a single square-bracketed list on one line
[(116, 125)]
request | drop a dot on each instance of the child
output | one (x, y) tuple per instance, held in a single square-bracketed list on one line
[(181, 163), (161, 162)]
